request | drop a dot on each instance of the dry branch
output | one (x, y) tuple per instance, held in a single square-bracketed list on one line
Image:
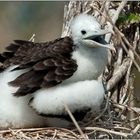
[(108, 131), (119, 73)]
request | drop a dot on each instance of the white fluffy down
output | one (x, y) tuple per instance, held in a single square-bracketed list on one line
[(76, 95), (15, 112), (83, 22), (77, 92)]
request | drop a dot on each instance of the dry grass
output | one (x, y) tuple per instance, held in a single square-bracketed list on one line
[(112, 124)]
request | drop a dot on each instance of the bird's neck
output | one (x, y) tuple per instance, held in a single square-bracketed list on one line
[(91, 61), (92, 53)]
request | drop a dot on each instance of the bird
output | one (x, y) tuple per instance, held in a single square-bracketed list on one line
[(38, 79)]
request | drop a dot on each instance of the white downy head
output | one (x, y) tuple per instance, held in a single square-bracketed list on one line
[(86, 31)]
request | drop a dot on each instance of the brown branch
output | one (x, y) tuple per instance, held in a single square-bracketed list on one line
[(74, 121), (119, 73), (108, 131)]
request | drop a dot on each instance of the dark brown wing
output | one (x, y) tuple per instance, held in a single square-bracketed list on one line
[(25, 52), (3, 57), (49, 63)]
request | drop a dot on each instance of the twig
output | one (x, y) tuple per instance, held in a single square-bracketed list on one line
[(121, 36), (122, 128), (119, 73), (124, 107), (134, 61), (108, 131), (129, 45), (74, 121), (101, 114), (134, 119), (55, 133), (23, 130), (32, 38), (115, 17), (127, 42), (118, 11), (120, 57), (136, 129)]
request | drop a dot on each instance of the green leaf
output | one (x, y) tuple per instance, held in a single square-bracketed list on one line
[(122, 19), (133, 18), (128, 19)]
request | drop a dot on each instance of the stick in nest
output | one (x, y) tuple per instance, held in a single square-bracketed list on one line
[(108, 131), (74, 121)]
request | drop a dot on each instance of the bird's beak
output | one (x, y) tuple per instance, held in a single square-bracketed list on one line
[(97, 40)]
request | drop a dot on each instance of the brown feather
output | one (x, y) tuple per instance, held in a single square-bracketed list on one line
[(50, 63)]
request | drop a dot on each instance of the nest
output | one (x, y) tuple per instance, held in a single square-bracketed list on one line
[(119, 117), (111, 123)]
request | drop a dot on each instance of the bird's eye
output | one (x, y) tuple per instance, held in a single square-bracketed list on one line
[(83, 32)]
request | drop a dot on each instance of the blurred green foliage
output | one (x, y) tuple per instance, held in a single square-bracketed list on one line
[(130, 15), (129, 18)]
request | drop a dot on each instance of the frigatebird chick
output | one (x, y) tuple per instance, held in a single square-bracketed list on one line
[(48, 75)]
